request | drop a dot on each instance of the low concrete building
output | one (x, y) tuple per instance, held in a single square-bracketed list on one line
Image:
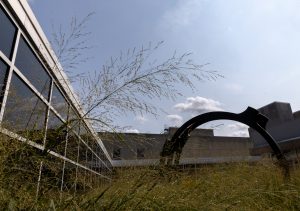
[(283, 125), (202, 147)]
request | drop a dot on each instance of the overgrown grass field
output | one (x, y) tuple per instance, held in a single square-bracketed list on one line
[(220, 187), (238, 186)]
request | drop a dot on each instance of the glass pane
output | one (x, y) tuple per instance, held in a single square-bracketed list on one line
[(56, 134), (80, 182), (70, 177), (24, 112), (89, 159), (72, 147), (7, 33), (74, 121), (3, 72), (87, 137), (59, 103), (51, 176), (33, 70), (19, 166), (82, 153)]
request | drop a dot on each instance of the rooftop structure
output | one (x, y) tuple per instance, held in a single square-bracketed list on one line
[(283, 125)]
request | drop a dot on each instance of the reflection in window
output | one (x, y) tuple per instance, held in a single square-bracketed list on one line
[(87, 137), (59, 103), (69, 183), (140, 153), (117, 153), (95, 162), (56, 134), (24, 112), (72, 146), (3, 72), (82, 153), (51, 174), (7, 33), (74, 121), (89, 159), (33, 70)]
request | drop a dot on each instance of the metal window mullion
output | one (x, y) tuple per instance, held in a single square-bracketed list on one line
[(35, 91), (47, 114), (96, 138), (39, 180), (76, 174), (5, 59), (78, 164), (8, 82), (20, 138), (77, 160), (62, 176), (95, 135), (57, 114), (94, 152), (65, 154), (37, 146), (37, 53), (30, 85)]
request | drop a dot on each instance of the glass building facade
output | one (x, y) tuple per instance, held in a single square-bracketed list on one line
[(37, 109)]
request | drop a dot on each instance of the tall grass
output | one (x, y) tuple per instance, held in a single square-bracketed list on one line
[(239, 186), (219, 187)]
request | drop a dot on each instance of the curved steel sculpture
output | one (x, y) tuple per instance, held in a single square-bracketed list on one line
[(251, 117)]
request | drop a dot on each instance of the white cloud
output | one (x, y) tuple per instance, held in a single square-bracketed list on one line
[(232, 129), (238, 126), (132, 131), (239, 134), (238, 130), (141, 119), (198, 105), (175, 119)]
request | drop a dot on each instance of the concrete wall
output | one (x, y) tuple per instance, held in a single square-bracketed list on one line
[(202, 143), (213, 146), (283, 125)]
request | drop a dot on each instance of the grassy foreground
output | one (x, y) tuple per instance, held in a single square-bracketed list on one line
[(220, 187)]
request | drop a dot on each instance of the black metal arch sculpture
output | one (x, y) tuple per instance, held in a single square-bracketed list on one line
[(251, 117)]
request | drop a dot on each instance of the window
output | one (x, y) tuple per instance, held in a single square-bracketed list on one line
[(7, 33), (89, 159), (56, 134), (140, 153), (86, 136), (74, 121), (117, 153), (72, 146), (32, 69), (82, 153), (3, 73), (24, 112), (59, 103)]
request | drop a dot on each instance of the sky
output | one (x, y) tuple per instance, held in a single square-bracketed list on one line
[(255, 44)]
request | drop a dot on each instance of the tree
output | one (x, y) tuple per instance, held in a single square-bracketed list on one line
[(128, 82)]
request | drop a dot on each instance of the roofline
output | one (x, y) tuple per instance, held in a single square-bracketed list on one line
[(274, 103)]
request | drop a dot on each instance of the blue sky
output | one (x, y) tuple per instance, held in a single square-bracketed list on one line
[(255, 44)]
